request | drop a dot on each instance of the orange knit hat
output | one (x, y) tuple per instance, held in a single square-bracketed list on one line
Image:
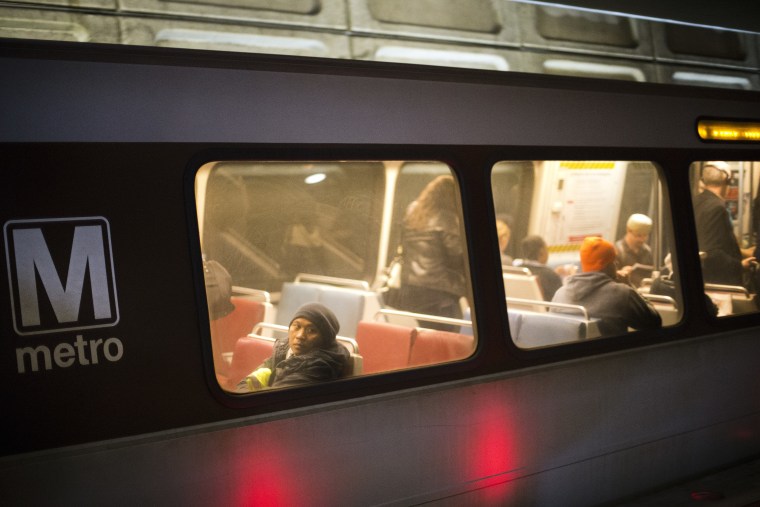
[(596, 254)]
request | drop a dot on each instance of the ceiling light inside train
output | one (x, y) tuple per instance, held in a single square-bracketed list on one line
[(315, 178), (719, 130)]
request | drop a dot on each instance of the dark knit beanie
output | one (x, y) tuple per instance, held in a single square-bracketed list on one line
[(322, 317)]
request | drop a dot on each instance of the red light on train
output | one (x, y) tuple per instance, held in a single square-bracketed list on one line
[(493, 442), (260, 475)]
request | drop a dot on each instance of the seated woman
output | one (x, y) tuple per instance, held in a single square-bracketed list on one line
[(310, 353)]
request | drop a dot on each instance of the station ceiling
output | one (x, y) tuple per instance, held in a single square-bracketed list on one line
[(743, 15)]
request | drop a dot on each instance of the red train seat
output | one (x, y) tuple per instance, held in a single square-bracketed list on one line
[(249, 353), (432, 346), (226, 330), (384, 346)]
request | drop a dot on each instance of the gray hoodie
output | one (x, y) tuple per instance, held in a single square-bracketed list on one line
[(618, 305)]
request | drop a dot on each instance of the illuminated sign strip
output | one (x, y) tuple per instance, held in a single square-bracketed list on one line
[(718, 130), (587, 164)]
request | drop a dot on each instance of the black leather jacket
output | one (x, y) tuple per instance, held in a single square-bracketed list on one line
[(433, 257)]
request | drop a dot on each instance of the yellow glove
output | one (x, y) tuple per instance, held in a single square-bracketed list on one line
[(258, 379)]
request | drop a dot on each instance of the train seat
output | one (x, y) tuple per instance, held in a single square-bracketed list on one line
[(524, 286), (432, 346), (731, 299), (384, 346), (355, 366), (227, 330), (533, 329), (249, 353), (349, 305), (665, 306)]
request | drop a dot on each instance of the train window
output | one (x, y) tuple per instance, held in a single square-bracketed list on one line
[(321, 270), (586, 250), (727, 217)]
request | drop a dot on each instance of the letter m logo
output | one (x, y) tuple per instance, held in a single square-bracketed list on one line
[(61, 274)]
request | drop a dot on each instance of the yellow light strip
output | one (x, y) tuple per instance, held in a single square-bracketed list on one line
[(719, 130), (587, 164)]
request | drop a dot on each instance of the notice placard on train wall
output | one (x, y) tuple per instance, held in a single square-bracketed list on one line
[(586, 202)]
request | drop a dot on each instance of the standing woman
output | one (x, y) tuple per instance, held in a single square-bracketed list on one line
[(432, 277)]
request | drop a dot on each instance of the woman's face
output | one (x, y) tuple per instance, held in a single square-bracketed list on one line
[(303, 336)]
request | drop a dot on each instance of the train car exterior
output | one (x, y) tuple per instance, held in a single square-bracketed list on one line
[(109, 376)]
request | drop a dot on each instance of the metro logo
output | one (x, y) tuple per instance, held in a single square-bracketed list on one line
[(41, 254)]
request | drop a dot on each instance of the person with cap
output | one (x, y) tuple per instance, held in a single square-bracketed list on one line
[(617, 305), (724, 262), (633, 257), (310, 353)]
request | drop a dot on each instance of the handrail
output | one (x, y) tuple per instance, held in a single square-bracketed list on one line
[(284, 329), (549, 304), (236, 289), (658, 298), (260, 337), (734, 289), (332, 280), (423, 316)]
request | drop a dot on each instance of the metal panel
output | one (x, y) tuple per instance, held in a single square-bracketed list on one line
[(586, 66), (425, 53), (547, 437), (705, 46), (312, 13), (196, 35), (491, 21), (56, 25), (581, 31)]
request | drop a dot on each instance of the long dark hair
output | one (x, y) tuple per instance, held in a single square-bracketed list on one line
[(437, 197)]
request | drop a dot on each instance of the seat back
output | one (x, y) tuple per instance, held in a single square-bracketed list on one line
[(665, 306), (534, 329), (384, 346), (432, 346), (521, 286), (355, 366), (226, 330), (249, 353), (349, 305)]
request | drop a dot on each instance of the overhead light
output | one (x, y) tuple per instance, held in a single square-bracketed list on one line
[(315, 178)]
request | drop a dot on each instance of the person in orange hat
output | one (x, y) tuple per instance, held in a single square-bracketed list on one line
[(617, 305)]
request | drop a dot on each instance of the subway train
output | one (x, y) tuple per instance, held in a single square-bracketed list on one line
[(144, 185)]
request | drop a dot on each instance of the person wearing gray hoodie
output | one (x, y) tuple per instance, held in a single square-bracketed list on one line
[(617, 305)]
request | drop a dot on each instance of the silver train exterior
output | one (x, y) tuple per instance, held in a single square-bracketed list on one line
[(117, 134)]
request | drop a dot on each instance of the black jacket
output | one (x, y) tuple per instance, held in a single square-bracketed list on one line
[(716, 238), (315, 366), (433, 257)]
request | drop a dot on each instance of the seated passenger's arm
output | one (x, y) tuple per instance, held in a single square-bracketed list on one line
[(644, 315)]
